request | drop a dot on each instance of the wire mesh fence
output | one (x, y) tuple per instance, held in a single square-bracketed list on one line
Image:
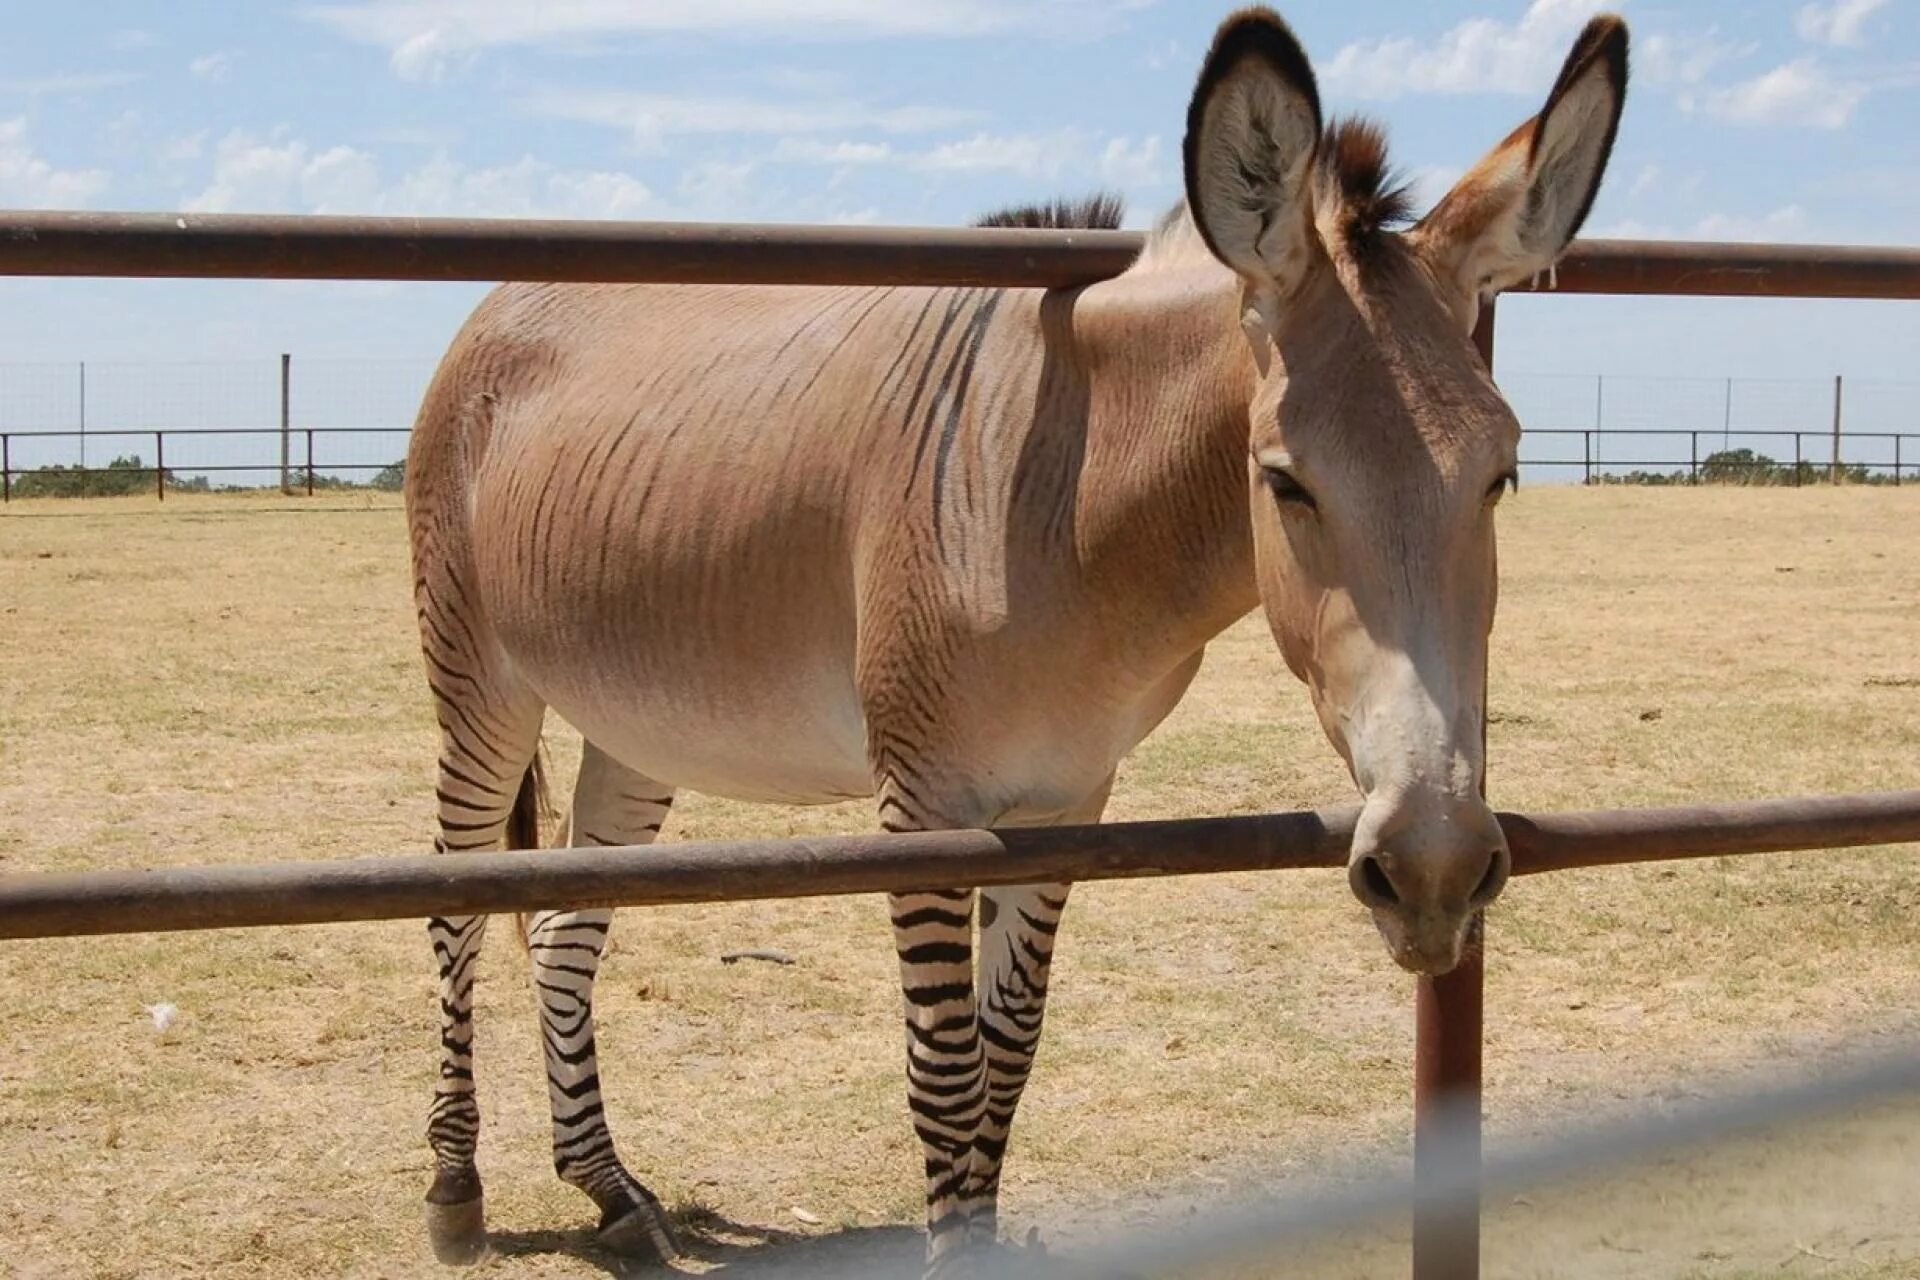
[(1786, 1172), (343, 421), (1596, 428)]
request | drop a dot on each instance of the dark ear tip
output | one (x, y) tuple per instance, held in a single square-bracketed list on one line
[(1605, 37), (1259, 32), (1603, 40)]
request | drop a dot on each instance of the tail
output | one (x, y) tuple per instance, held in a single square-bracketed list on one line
[(523, 823)]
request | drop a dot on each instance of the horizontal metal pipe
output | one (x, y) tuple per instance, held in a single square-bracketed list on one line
[(1610, 837), (1700, 268), (340, 248), (108, 432), (34, 242), (231, 896)]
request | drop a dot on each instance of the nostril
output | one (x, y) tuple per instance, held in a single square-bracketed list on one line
[(1379, 885), (1494, 880)]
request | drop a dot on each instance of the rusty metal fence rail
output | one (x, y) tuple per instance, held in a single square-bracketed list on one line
[(1447, 1065)]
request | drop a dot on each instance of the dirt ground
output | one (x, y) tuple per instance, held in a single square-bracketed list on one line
[(236, 679)]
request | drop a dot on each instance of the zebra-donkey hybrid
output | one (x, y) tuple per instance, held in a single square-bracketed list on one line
[(960, 550)]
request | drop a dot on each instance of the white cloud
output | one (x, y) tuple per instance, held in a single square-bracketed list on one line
[(1487, 55), (1800, 92), (29, 182), (213, 67), (1028, 154), (1127, 164), (1119, 161), (1480, 55), (1789, 224), (287, 174), (717, 184), (70, 82), (1686, 59), (426, 39), (183, 148), (654, 117), (814, 151), (1430, 182), (1839, 23), (429, 56), (1785, 224)]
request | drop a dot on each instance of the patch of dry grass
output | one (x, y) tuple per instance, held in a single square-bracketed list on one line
[(236, 679)]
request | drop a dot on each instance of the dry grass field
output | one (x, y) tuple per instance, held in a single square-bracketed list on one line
[(236, 679)]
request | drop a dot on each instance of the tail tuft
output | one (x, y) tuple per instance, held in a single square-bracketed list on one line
[(523, 824)]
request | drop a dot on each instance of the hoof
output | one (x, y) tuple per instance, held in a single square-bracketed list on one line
[(639, 1234), (458, 1231)]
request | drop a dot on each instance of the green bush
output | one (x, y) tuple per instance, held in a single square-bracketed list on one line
[(1744, 466), (121, 476)]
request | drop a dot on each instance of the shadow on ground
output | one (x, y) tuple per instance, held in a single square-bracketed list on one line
[(714, 1244)]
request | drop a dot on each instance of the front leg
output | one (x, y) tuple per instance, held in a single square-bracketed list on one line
[(1018, 927), (945, 1083)]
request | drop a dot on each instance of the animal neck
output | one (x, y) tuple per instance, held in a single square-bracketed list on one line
[(1163, 527)]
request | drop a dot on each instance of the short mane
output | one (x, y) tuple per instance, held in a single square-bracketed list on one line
[(1101, 211), (1357, 196), (1357, 199)]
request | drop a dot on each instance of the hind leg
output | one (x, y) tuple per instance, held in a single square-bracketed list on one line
[(612, 805), (488, 741)]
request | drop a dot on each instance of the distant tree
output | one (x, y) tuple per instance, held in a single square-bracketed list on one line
[(392, 477), (123, 475), (1742, 466)]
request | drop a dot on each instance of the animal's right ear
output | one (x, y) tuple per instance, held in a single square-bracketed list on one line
[(1252, 130)]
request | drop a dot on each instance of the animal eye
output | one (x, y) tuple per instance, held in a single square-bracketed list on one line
[(1287, 489), (1511, 480)]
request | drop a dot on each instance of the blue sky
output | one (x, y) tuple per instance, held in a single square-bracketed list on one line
[(1787, 120)]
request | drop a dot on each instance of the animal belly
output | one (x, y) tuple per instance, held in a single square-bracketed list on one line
[(781, 740)]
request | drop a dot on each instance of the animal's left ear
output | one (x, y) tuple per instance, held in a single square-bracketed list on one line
[(1514, 214)]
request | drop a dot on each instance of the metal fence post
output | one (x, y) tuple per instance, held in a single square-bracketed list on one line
[(309, 462), (1896, 462), (1448, 1015), (1586, 454), (1833, 474), (1599, 412), (1796, 460), (160, 464), (6, 468), (1446, 1104), (1693, 460), (286, 419)]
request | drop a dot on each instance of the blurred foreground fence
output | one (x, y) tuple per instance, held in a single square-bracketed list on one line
[(1447, 1075)]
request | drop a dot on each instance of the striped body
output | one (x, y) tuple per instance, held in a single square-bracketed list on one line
[(807, 544)]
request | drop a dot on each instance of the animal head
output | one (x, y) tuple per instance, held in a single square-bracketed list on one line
[(1378, 447)]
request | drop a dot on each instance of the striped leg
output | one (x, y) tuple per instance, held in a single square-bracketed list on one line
[(612, 805), (1018, 926), (933, 934), (486, 752)]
